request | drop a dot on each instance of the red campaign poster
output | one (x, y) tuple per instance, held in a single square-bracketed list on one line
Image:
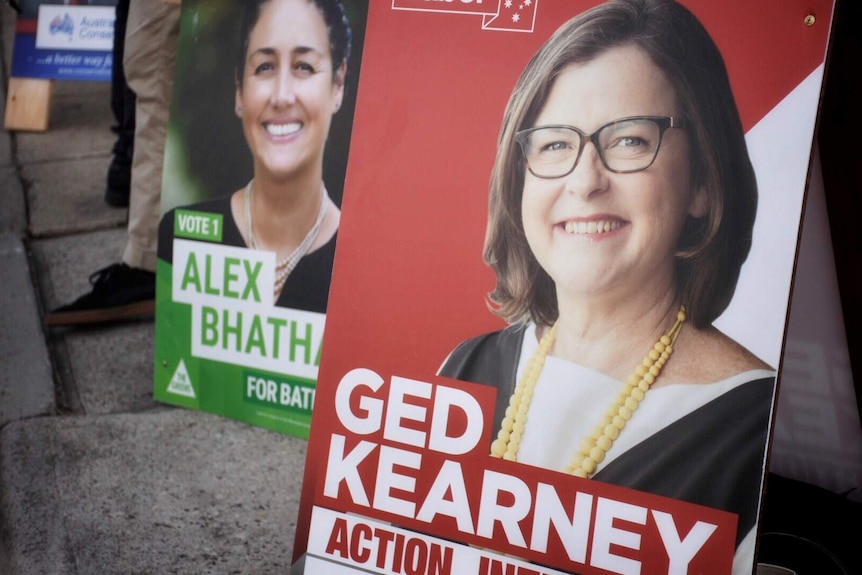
[(639, 210)]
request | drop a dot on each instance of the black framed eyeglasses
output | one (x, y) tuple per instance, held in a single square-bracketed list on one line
[(624, 146)]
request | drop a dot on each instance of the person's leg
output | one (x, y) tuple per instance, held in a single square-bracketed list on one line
[(123, 106), (127, 289), (151, 43)]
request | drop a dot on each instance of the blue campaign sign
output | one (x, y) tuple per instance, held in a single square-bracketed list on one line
[(54, 40)]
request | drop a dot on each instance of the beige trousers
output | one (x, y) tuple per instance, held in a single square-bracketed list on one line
[(152, 31)]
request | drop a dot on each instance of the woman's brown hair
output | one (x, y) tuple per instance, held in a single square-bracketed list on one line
[(713, 248)]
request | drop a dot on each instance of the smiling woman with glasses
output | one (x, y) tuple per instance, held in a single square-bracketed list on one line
[(622, 202)]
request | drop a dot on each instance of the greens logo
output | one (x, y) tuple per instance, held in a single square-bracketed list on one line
[(180, 383)]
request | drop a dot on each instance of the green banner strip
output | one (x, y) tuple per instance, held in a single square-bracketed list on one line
[(278, 391), (198, 225)]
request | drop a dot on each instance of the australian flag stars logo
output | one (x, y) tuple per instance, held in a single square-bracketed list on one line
[(513, 16), (499, 15), (516, 13)]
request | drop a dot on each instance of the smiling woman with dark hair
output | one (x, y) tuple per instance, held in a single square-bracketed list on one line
[(289, 83), (622, 202)]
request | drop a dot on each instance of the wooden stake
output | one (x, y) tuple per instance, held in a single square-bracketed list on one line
[(28, 104)]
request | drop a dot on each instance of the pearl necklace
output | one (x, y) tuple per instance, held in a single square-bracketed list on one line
[(286, 265), (594, 446)]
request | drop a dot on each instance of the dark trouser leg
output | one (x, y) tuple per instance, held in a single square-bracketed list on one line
[(123, 107)]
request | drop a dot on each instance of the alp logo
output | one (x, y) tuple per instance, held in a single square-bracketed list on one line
[(62, 25)]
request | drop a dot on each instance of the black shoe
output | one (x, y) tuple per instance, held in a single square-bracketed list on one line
[(119, 184), (119, 292)]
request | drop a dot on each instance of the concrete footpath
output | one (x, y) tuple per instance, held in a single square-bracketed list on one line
[(95, 476)]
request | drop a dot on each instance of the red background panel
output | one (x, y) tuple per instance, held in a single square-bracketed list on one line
[(409, 282)]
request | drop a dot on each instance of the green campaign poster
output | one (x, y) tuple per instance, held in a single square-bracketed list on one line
[(255, 162)]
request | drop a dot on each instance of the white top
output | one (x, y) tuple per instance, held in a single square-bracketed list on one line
[(570, 399)]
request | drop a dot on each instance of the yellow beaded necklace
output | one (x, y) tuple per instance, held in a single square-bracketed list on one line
[(594, 446)]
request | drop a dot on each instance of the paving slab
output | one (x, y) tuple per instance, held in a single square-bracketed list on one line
[(168, 491), (107, 369), (13, 214), (79, 126), (67, 196), (104, 368), (26, 379)]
